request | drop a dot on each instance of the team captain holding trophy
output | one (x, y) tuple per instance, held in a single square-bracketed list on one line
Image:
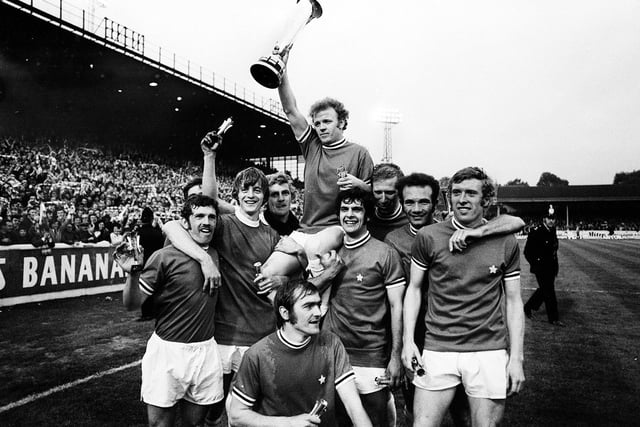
[(246, 402)]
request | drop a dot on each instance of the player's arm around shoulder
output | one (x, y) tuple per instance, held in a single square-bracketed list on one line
[(515, 326), (502, 224), (181, 240)]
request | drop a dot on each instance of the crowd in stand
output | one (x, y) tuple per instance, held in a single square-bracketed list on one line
[(65, 192), (601, 224)]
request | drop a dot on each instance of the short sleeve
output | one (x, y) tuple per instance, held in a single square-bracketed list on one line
[(342, 366), (366, 167), (420, 256), (512, 259), (152, 275), (305, 141), (246, 387), (393, 271)]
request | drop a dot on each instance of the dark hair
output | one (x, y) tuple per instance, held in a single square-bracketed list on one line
[(248, 177), (326, 103), (196, 201), (383, 171), (147, 215), (353, 194), (189, 185), (473, 172), (288, 294), (417, 179)]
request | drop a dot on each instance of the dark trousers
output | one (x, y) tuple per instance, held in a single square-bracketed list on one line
[(546, 293)]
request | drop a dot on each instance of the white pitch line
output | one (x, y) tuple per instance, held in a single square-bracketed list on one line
[(36, 396), (588, 291)]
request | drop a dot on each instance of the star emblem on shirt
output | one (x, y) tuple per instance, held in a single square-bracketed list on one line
[(493, 269), (359, 277), (322, 379)]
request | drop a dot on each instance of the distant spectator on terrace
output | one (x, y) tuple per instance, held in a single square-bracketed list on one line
[(6, 233), (41, 237), (116, 235), (99, 232), (151, 237), (96, 181)]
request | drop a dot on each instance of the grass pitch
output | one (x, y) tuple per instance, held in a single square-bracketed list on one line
[(585, 374)]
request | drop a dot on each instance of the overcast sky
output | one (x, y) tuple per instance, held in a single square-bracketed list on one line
[(518, 87)]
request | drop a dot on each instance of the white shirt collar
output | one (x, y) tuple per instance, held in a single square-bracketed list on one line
[(334, 145), (357, 243), (246, 221), (395, 214), (290, 344)]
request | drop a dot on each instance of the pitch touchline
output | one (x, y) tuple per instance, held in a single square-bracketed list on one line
[(37, 396)]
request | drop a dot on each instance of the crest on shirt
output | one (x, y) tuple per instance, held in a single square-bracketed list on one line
[(359, 277), (322, 379), (493, 269)]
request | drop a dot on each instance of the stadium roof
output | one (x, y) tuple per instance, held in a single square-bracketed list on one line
[(571, 193), (60, 80)]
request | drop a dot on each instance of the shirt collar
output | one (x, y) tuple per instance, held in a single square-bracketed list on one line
[(246, 221), (459, 226), (334, 145), (292, 345), (357, 243), (394, 215)]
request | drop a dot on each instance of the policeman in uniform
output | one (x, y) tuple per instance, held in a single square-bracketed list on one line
[(541, 251)]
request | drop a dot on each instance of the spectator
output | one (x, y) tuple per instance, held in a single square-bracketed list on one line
[(116, 235)]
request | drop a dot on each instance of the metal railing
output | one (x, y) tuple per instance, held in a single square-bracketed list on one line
[(109, 33)]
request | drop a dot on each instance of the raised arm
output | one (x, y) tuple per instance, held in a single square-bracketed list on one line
[(209, 146), (410, 309), (503, 224), (296, 119), (515, 326), (182, 241)]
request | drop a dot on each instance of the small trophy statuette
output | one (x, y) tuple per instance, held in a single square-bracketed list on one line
[(319, 407)]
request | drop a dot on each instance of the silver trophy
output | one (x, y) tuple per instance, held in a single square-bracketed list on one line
[(129, 250), (268, 70)]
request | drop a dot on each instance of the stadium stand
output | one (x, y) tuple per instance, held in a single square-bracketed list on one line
[(100, 122), (41, 183), (607, 208)]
